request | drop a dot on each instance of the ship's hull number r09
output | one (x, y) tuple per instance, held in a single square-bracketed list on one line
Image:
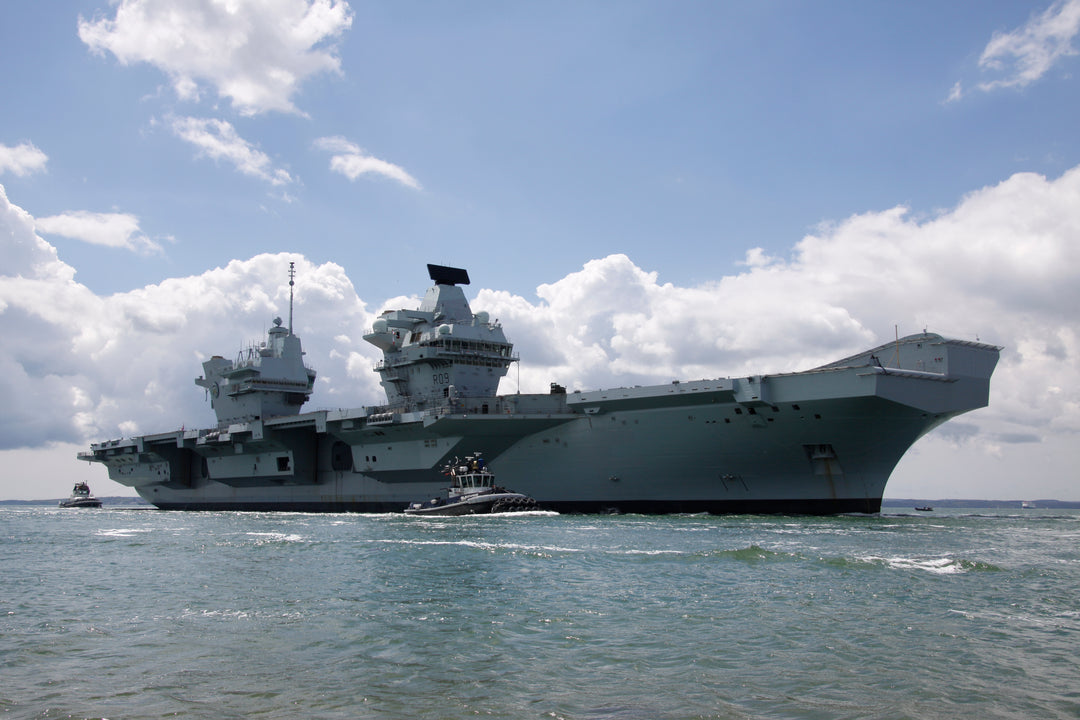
[(441, 378)]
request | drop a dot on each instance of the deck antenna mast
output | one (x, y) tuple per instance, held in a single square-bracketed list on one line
[(292, 274)]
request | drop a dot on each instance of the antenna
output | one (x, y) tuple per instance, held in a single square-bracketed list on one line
[(292, 274)]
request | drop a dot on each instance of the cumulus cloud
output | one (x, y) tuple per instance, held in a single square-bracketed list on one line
[(87, 367), (1024, 55), (117, 230), (257, 53), (218, 140), (22, 159), (25, 254), (1002, 266), (351, 161), (40, 306)]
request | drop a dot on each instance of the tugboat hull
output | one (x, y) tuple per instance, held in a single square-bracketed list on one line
[(475, 505)]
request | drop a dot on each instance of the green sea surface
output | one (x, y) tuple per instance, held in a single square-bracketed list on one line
[(137, 613)]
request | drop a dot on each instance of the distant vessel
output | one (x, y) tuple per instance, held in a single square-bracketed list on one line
[(818, 441), (923, 508), (1027, 505), (80, 498), (472, 491)]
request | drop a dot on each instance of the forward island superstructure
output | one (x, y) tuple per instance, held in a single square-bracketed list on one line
[(819, 441)]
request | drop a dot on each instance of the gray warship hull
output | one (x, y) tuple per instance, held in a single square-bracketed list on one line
[(820, 441)]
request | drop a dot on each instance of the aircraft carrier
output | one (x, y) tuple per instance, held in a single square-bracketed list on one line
[(819, 441)]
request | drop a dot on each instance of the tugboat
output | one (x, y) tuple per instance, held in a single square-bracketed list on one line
[(472, 491), (81, 498)]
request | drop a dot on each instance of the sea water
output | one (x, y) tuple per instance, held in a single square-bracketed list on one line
[(138, 613)]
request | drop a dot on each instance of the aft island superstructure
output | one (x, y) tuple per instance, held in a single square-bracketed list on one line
[(819, 441)]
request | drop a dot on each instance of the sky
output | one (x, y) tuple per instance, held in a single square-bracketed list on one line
[(640, 191)]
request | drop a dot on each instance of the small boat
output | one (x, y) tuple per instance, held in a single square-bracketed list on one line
[(1027, 505), (80, 498), (472, 491), (923, 508)]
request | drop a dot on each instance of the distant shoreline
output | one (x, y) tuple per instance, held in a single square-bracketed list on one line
[(955, 503), (138, 502)]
